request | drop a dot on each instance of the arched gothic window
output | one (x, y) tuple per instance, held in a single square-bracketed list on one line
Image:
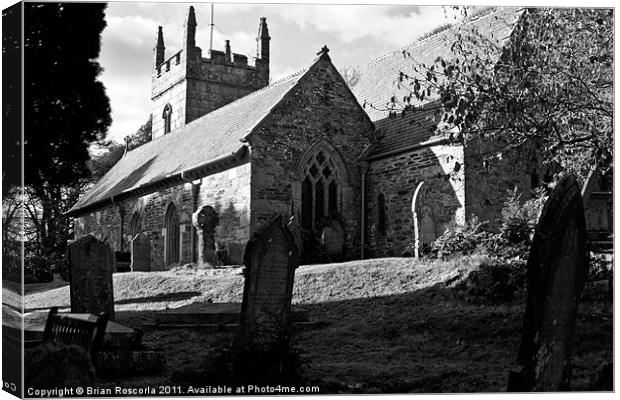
[(381, 213), (171, 223), (135, 225), (320, 190), (167, 116)]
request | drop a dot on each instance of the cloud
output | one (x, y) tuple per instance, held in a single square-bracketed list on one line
[(134, 30), (240, 42), (130, 103), (278, 71), (126, 58), (395, 25)]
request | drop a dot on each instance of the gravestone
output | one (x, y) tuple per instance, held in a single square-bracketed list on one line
[(434, 207), (295, 229), (557, 268), (91, 267), (271, 259), (332, 237), (205, 220), (423, 224), (140, 253)]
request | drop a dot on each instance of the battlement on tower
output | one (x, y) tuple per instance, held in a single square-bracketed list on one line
[(187, 86), (233, 69)]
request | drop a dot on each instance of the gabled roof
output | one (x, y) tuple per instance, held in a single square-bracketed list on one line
[(205, 140), (378, 83)]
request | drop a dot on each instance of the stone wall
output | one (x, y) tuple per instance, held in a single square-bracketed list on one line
[(216, 81), (440, 167), (489, 181), (598, 201), (320, 112), (168, 86), (195, 86), (226, 191)]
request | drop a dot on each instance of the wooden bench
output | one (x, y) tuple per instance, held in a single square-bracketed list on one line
[(67, 330)]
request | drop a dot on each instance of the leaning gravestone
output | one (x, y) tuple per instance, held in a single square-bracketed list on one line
[(270, 260), (140, 253), (91, 267), (205, 220), (295, 229), (557, 268), (332, 237)]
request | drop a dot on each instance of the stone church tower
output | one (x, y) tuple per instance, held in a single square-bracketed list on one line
[(186, 86)]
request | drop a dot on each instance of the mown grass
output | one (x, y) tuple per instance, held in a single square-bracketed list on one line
[(389, 325), (140, 291)]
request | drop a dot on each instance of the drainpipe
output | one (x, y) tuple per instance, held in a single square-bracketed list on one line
[(364, 169), (194, 237), (122, 214)]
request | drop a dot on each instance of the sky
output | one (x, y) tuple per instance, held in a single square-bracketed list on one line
[(355, 34)]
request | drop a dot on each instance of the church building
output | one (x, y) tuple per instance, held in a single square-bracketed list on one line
[(419, 180), (224, 138), (306, 146)]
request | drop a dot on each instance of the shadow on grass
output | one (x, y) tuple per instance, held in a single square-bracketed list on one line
[(435, 340), (33, 288), (160, 297), (138, 300), (432, 340)]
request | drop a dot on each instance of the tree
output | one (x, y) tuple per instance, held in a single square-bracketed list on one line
[(11, 105), (552, 82), (107, 152), (65, 109)]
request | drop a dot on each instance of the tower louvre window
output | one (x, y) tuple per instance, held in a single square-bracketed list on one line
[(167, 117)]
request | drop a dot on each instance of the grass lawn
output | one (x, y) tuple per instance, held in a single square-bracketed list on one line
[(390, 325)]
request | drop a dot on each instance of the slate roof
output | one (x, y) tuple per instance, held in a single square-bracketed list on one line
[(204, 140), (378, 82)]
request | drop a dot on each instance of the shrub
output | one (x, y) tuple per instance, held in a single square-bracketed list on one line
[(601, 266), (518, 224), (460, 239), (496, 281), (519, 219)]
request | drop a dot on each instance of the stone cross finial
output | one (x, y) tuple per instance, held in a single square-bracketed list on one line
[(127, 141), (205, 220), (324, 51)]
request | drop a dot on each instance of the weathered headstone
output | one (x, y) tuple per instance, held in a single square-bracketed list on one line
[(332, 237), (140, 253), (271, 259), (435, 207), (205, 220), (295, 229), (91, 267), (557, 268)]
